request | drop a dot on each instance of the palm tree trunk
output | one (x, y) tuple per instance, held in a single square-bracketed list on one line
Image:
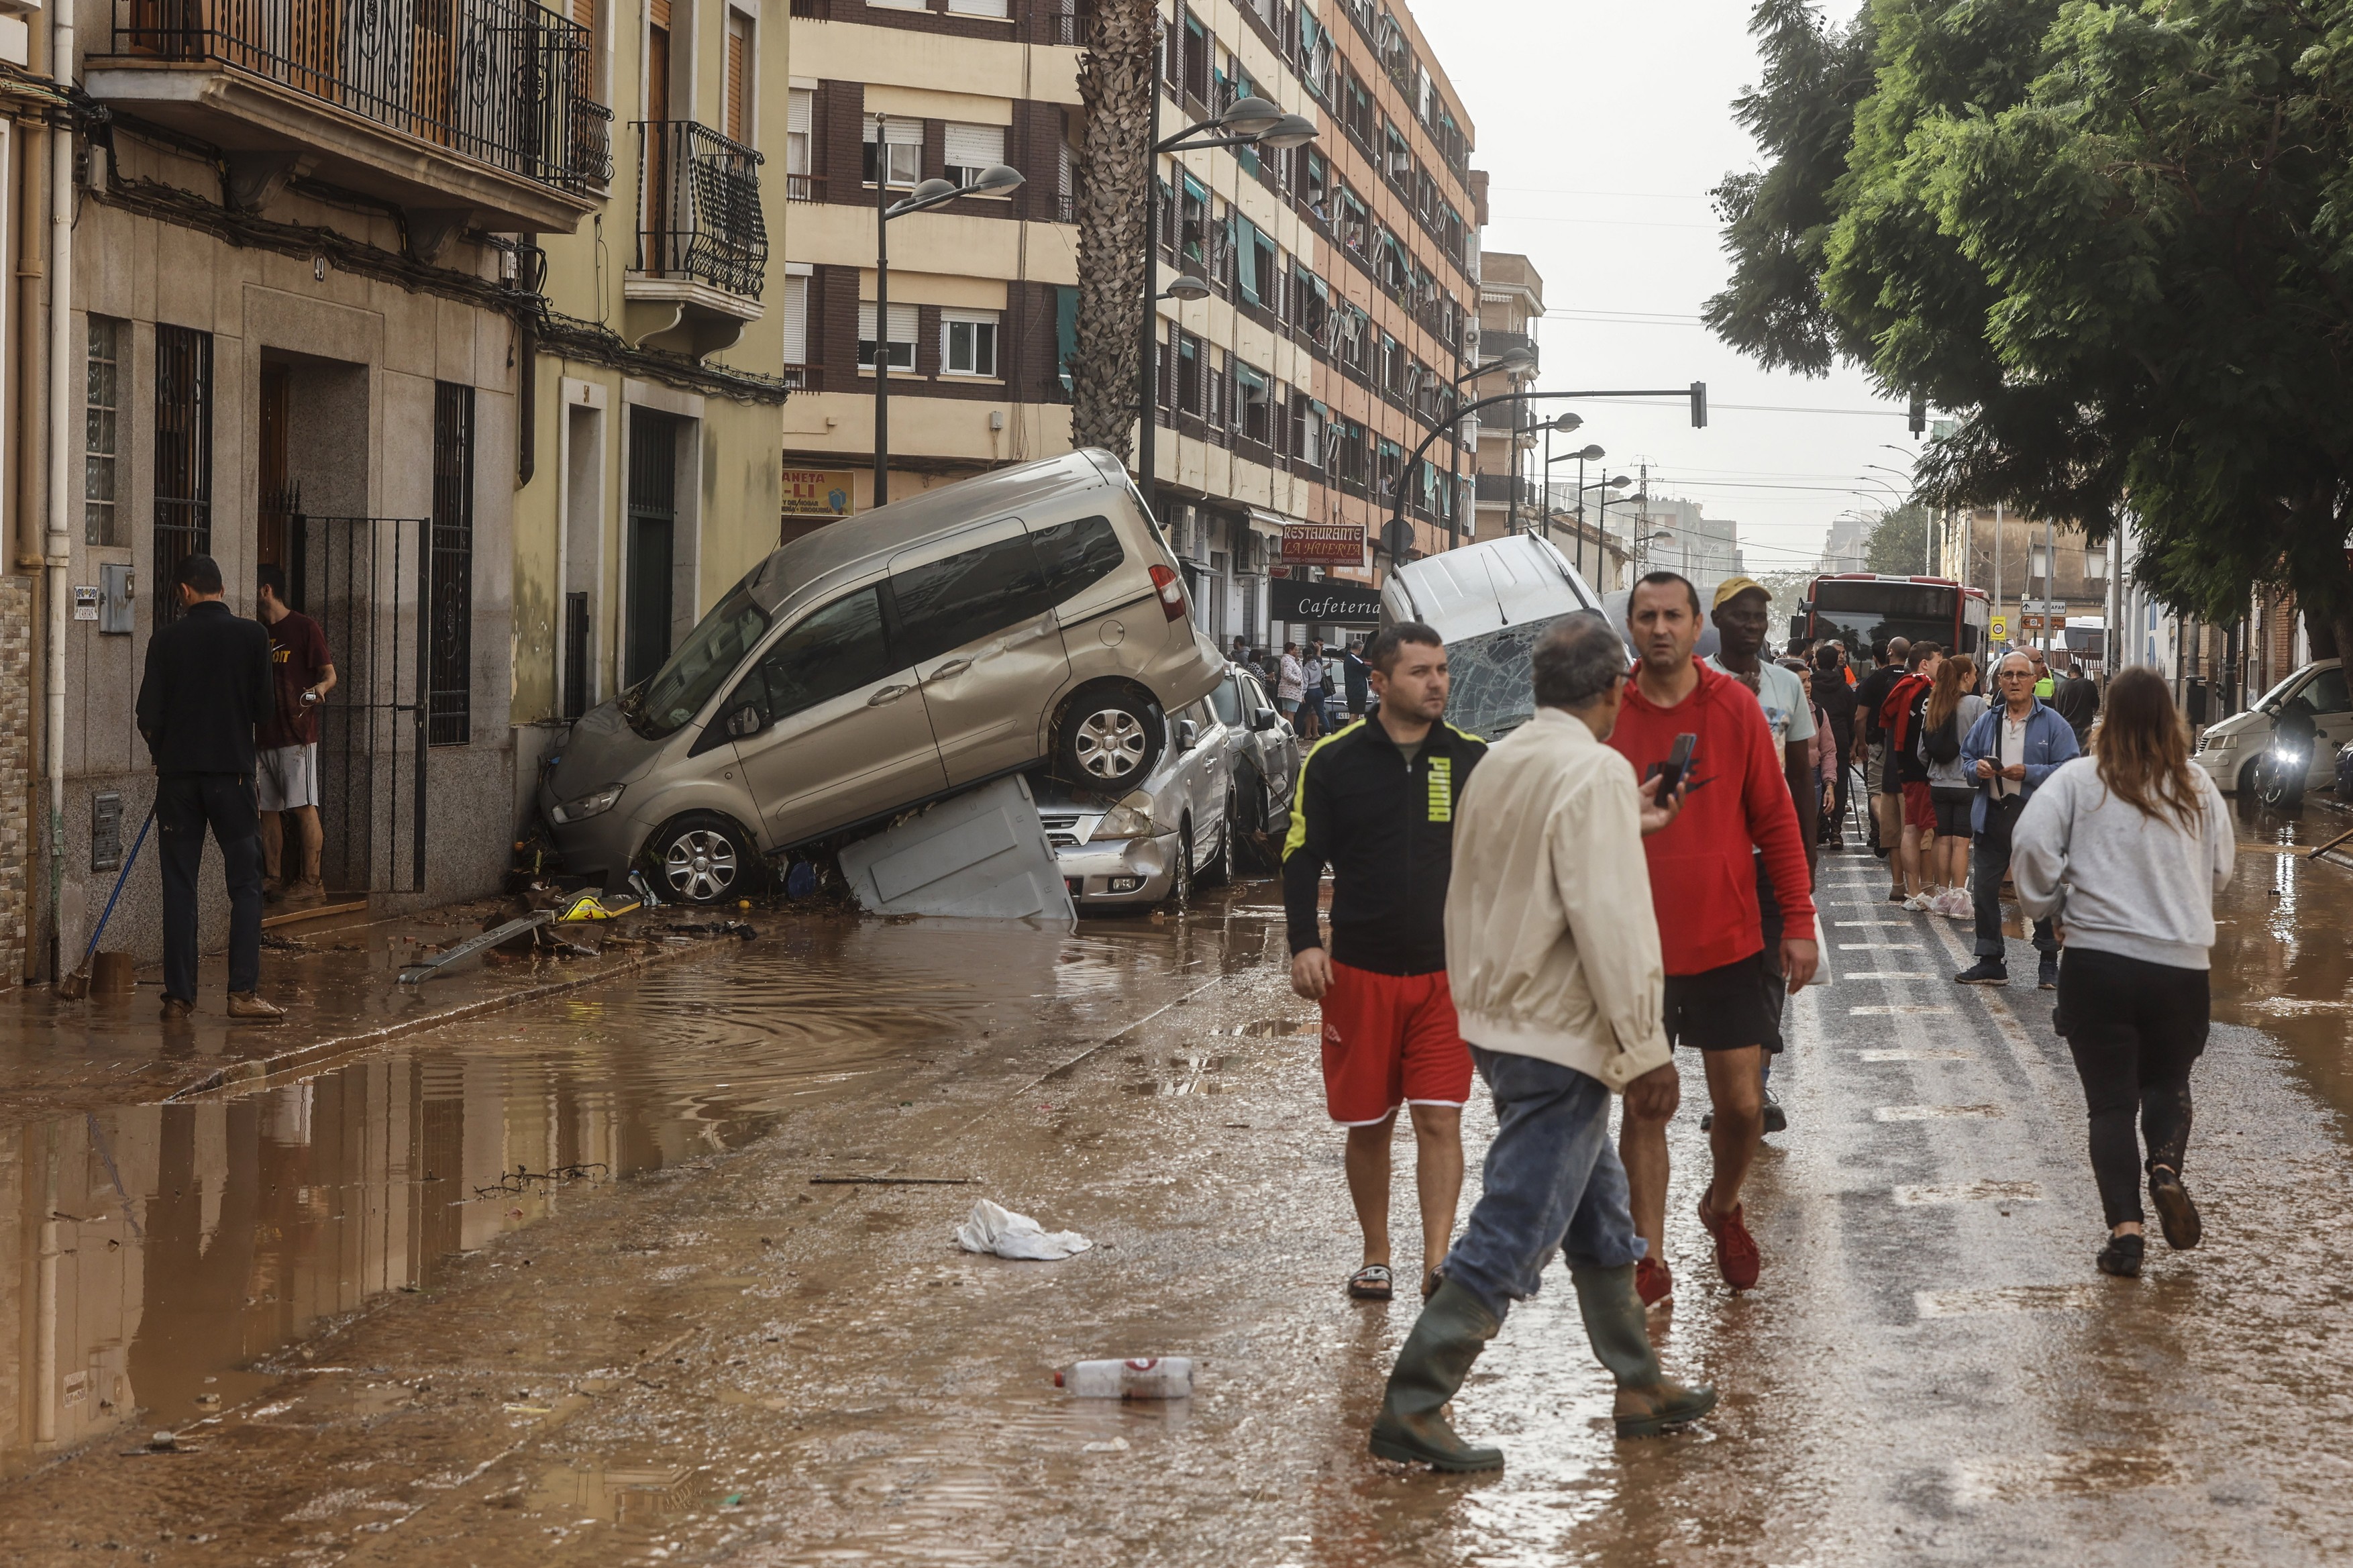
[(1114, 181)]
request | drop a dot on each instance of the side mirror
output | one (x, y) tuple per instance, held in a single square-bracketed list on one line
[(746, 721), (1188, 734), (1263, 720)]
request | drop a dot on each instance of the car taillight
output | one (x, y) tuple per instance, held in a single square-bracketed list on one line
[(1171, 591)]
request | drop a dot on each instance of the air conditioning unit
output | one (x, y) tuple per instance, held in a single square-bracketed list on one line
[(1400, 163)]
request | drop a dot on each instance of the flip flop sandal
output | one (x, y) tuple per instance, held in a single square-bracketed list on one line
[(1371, 1283), (1430, 1282)]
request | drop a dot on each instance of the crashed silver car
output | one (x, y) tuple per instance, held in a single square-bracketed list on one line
[(1167, 835), (1033, 614), (1491, 603), (1263, 755)]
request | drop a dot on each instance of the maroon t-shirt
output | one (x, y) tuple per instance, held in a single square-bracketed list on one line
[(298, 658)]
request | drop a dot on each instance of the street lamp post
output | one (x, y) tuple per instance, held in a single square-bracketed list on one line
[(994, 180), (1579, 457), (1251, 122), (1399, 540), (1510, 362)]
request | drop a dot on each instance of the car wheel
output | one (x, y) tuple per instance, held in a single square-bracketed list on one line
[(1180, 891), (2251, 782), (1110, 739), (701, 858)]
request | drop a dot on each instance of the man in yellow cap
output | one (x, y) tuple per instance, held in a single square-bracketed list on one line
[(1742, 612)]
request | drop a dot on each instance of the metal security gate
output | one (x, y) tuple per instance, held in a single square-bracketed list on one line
[(363, 579)]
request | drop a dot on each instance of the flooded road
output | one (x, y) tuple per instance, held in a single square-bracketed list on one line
[(596, 1282)]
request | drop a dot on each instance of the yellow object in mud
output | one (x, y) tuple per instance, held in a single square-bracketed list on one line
[(590, 907)]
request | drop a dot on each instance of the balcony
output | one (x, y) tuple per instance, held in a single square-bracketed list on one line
[(702, 242), (459, 111)]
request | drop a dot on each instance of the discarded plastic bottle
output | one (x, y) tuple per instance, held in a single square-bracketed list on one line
[(1152, 1377)]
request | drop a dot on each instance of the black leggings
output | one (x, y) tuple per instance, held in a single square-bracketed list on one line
[(2134, 1028)]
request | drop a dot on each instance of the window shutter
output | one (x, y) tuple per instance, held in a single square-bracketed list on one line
[(796, 321), (974, 146), (738, 31), (978, 7), (898, 132), (802, 119)]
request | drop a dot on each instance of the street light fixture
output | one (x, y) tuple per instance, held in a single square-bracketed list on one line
[(1563, 423), (996, 180), (1183, 287), (1252, 121)]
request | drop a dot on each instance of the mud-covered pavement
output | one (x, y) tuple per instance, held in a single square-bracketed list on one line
[(581, 1282)]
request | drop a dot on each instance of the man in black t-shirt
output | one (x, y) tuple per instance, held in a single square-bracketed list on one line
[(1837, 701), (1879, 778)]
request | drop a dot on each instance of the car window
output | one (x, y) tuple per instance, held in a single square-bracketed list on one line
[(968, 596), (1227, 701), (829, 653), (708, 657), (1076, 555), (1255, 695), (2326, 693)]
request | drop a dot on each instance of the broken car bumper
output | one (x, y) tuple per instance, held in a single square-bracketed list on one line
[(1119, 870)]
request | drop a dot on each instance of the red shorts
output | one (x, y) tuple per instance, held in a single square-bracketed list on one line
[(1390, 1039), (1919, 807)]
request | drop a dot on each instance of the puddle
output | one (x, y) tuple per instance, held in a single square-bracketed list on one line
[(169, 1251), (613, 1494)]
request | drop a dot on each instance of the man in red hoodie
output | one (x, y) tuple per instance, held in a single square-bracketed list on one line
[(1704, 887)]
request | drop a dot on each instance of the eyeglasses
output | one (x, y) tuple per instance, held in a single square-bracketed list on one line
[(2018, 674)]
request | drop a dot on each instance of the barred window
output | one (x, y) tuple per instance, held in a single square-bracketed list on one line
[(102, 403)]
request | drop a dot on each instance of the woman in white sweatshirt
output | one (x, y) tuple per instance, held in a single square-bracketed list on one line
[(2126, 848)]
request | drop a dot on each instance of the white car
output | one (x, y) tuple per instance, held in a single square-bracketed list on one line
[(2230, 750), (1167, 835)]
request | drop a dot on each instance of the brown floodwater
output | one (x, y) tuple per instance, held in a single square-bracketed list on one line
[(157, 1259)]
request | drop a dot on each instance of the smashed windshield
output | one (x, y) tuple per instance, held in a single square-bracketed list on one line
[(710, 653), (1493, 681)]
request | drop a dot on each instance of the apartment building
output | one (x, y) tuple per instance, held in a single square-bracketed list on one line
[(1509, 439), (884, 95), (648, 476), (2040, 576), (1375, 301)]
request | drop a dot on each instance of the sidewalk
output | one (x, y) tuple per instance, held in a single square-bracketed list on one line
[(336, 974)]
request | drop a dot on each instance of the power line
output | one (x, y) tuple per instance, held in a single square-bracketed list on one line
[(1890, 412)]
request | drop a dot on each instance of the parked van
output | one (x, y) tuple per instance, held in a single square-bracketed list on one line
[(1491, 603), (2230, 750), (1030, 616)]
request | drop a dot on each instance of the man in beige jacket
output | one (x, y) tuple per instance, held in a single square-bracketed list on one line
[(1551, 954)]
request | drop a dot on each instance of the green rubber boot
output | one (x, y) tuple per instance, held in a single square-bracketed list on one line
[(1446, 1338), (1648, 1401)]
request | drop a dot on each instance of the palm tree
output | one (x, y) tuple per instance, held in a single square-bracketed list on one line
[(1114, 181)]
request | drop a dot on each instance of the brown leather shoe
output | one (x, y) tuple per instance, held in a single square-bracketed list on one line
[(248, 1007), (305, 895), (176, 1011)]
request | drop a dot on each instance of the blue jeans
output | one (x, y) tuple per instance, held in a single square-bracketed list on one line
[(1553, 1183)]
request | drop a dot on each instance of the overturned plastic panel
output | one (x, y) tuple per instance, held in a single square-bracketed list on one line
[(981, 855)]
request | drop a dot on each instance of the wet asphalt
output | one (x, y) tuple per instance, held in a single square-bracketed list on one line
[(585, 1283)]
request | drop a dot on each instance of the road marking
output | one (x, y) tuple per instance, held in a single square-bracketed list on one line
[(1937, 1113), (2060, 1096), (2006, 1299), (1879, 947), (1971, 1192), (1905, 924), (1901, 1009), (1886, 974), (1916, 1055)]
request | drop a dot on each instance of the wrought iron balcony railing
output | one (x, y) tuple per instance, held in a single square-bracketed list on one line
[(503, 82), (699, 205)]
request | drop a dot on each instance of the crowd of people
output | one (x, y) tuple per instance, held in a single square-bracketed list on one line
[(1633, 870)]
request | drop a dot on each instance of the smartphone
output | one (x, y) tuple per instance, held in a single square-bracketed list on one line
[(1678, 763)]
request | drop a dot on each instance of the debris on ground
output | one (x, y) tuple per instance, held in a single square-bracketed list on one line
[(1147, 1377), (992, 1228)]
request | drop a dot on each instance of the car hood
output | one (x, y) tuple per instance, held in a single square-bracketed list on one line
[(2239, 724), (601, 750)]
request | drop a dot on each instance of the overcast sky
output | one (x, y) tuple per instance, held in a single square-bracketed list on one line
[(1602, 127)]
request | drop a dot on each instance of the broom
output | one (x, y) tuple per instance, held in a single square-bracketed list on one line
[(75, 986)]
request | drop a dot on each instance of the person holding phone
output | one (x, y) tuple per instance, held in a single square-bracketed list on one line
[(286, 778), (1703, 886)]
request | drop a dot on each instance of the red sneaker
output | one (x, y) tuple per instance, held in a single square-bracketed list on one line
[(1654, 1283), (1736, 1258)]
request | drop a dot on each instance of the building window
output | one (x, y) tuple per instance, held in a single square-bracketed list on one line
[(100, 403), (800, 124), (737, 109), (184, 456), (968, 342), (796, 320), (979, 7), (903, 336), (450, 639), (903, 139), (972, 147)]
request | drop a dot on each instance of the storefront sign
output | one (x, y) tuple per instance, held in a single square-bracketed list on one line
[(1322, 545), (1324, 603), (817, 492)]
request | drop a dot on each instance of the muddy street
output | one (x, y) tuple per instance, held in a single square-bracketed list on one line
[(659, 1270)]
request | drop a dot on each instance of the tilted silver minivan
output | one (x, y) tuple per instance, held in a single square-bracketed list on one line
[(1034, 614)]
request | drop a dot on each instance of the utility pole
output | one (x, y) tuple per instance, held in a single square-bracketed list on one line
[(1997, 560)]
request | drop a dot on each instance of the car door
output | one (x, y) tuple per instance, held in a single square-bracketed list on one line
[(829, 723), (2332, 718), (975, 617)]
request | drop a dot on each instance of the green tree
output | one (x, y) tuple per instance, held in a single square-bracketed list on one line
[(2116, 239), (1898, 544)]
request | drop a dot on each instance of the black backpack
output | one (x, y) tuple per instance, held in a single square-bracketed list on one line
[(1942, 743)]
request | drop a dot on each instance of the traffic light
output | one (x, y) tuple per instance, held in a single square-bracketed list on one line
[(1699, 404), (1919, 412)]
